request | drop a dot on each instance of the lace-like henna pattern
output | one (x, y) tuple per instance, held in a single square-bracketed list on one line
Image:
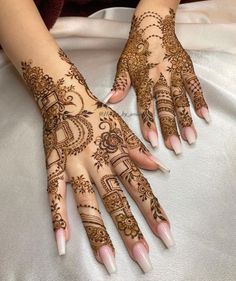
[(81, 185), (118, 207), (96, 231), (136, 60), (181, 64)]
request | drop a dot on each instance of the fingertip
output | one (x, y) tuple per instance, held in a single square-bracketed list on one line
[(61, 241), (117, 96)]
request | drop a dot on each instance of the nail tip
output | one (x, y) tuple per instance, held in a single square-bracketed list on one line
[(165, 234)]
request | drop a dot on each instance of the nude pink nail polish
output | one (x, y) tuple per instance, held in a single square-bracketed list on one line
[(107, 258), (152, 136), (190, 135), (162, 167), (165, 234), (141, 256), (108, 97), (176, 144), (61, 241), (206, 114)]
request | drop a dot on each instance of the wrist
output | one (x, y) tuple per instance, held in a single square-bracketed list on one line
[(162, 7)]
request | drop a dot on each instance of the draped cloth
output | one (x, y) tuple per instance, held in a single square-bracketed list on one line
[(198, 195)]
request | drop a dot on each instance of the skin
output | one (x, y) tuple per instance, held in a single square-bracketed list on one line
[(86, 143), (161, 72)]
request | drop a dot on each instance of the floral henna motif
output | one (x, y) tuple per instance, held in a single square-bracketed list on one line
[(65, 133), (96, 231), (57, 219), (81, 185), (118, 207), (109, 142), (138, 60), (135, 61)]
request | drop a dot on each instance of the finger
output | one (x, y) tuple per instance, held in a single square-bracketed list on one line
[(166, 113), (181, 103), (195, 92), (93, 223), (143, 89), (57, 200), (138, 151), (118, 207), (121, 84), (140, 190)]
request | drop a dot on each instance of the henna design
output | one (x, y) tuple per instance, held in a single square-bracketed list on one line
[(138, 59), (57, 219), (131, 174), (81, 185), (96, 231), (165, 107), (65, 133), (118, 207), (109, 141), (89, 206), (134, 60)]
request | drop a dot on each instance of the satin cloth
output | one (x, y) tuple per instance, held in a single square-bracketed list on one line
[(198, 195)]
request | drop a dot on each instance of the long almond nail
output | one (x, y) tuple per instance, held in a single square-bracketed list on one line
[(165, 234), (162, 167), (206, 114), (61, 242), (108, 96), (141, 256), (176, 144), (108, 258), (152, 136), (190, 135)]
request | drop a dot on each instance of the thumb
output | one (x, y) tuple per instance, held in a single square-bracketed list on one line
[(121, 85)]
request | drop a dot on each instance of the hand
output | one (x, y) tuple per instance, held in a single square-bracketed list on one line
[(157, 66), (86, 143)]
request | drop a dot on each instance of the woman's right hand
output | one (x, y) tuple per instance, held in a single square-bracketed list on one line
[(87, 143)]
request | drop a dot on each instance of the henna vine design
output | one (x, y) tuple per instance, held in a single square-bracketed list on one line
[(139, 58), (118, 207)]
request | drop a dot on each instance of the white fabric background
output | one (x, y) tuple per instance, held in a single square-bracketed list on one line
[(199, 194)]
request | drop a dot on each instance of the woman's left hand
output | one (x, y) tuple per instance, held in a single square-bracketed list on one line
[(158, 67)]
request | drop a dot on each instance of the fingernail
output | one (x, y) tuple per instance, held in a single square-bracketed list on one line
[(152, 136), (108, 97), (164, 233), (190, 135), (108, 258), (61, 242), (162, 167), (206, 114), (141, 256), (176, 144)]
